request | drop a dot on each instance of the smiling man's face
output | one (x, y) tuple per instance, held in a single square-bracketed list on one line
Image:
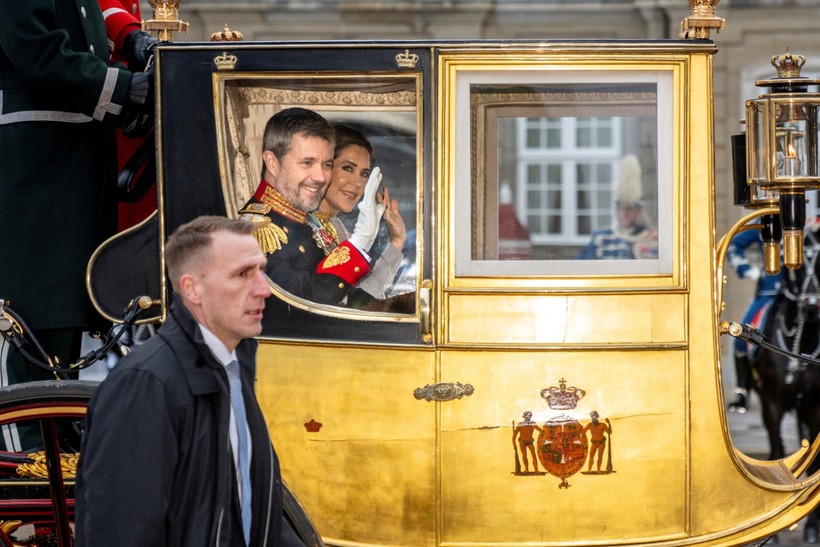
[(303, 173)]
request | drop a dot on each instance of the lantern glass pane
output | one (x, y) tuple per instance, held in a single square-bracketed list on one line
[(813, 138), (763, 196), (756, 137), (791, 131)]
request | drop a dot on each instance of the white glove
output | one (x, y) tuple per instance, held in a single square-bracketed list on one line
[(752, 273), (370, 214)]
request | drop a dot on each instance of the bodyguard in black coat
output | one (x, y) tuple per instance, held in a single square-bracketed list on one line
[(158, 464)]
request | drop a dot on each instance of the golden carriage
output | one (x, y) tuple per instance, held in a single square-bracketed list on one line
[(407, 429), (531, 398)]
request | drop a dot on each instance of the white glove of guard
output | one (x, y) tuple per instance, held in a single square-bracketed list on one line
[(752, 273), (370, 214)]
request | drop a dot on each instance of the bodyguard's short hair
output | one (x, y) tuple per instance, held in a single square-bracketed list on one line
[(192, 239)]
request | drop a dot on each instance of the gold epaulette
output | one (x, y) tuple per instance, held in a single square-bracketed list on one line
[(270, 236), (38, 467)]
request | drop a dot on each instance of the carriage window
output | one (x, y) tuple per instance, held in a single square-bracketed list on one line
[(383, 109), (567, 173)]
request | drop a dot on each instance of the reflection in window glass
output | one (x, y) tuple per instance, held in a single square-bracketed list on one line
[(568, 170), (569, 187), (564, 171), (543, 133)]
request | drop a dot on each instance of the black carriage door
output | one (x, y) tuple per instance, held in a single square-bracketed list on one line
[(214, 102)]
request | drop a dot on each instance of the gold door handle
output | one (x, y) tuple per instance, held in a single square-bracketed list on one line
[(426, 324), (443, 391)]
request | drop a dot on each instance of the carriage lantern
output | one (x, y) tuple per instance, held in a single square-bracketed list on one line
[(782, 148)]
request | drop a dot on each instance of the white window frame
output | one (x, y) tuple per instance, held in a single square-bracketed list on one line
[(466, 266)]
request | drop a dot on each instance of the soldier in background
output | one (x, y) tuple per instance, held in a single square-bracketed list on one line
[(630, 236), (766, 288)]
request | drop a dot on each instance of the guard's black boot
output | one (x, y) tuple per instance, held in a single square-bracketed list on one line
[(739, 405), (743, 370)]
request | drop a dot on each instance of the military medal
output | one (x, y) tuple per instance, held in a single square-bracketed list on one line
[(324, 234)]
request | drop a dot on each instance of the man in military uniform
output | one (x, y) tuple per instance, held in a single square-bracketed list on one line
[(766, 289), (303, 258), (60, 102)]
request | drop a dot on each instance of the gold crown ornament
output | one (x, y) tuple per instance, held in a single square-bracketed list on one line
[(166, 19), (227, 35), (562, 397), (702, 20), (225, 61), (407, 59), (788, 65)]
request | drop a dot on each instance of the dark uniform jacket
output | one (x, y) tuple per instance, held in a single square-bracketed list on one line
[(156, 467), (295, 260), (59, 100)]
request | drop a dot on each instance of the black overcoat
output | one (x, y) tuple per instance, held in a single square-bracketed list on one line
[(156, 467)]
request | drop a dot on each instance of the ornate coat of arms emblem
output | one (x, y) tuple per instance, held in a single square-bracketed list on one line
[(562, 446)]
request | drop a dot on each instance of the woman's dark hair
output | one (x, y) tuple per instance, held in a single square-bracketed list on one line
[(348, 136)]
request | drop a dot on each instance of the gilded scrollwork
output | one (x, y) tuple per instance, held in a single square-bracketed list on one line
[(38, 468), (268, 95)]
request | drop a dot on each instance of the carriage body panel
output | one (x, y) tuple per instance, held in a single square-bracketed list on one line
[(406, 428)]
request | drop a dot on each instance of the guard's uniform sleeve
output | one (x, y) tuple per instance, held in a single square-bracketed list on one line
[(58, 50), (121, 18), (736, 252)]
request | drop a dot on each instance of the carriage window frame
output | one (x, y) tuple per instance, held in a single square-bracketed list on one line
[(459, 77), (339, 96)]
